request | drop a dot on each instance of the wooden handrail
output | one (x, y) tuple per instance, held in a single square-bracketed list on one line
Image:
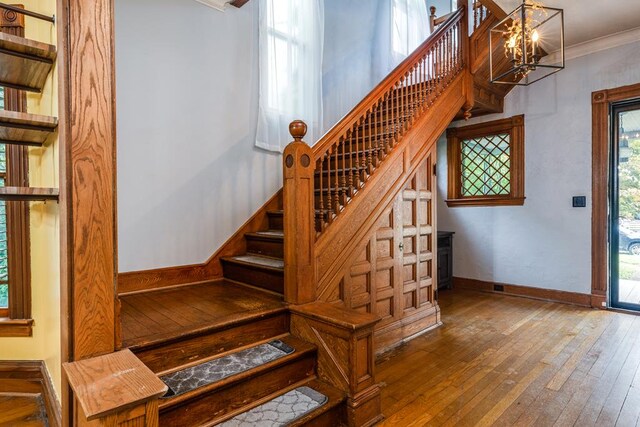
[(323, 144)]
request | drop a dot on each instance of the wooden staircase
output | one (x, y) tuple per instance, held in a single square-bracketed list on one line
[(287, 284)]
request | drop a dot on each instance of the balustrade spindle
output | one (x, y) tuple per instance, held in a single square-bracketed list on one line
[(350, 153), (368, 144), (363, 159), (336, 184), (350, 184), (319, 219)]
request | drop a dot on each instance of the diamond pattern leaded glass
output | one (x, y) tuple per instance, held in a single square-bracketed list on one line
[(486, 166)]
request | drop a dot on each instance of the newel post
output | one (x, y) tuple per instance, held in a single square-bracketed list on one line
[(299, 225)]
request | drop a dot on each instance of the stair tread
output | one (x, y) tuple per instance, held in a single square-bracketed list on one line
[(269, 234), (257, 260), (25, 128), (300, 349), (25, 64), (163, 315), (330, 397)]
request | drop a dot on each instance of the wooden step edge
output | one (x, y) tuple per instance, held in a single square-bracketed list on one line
[(28, 194), (257, 288), (302, 349), (255, 266), (157, 340), (257, 235), (258, 402), (335, 397), (281, 337)]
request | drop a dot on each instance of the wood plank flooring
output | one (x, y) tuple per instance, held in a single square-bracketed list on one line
[(505, 361), (158, 314)]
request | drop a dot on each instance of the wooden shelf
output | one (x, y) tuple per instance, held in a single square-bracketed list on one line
[(25, 64), (21, 194), (24, 128)]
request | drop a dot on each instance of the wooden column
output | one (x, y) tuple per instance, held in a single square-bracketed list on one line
[(299, 228), (466, 57), (87, 182)]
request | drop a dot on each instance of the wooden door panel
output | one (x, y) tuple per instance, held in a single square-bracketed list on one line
[(391, 272)]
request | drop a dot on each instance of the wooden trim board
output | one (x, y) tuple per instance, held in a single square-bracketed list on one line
[(28, 371), (600, 105), (564, 297)]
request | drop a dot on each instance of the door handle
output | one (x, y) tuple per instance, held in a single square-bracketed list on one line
[(401, 246)]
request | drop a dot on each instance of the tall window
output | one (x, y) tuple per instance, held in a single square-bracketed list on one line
[(486, 164), (291, 42), (409, 26)]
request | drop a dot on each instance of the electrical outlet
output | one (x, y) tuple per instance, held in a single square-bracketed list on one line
[(498, 288)]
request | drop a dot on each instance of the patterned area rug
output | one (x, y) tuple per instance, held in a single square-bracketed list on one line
[(181, 382), (280, 411)]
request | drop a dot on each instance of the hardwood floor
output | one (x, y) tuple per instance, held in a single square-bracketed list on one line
[(22, 410), (503, 361)]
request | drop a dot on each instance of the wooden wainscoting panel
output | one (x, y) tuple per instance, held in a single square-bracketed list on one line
[(136, 281), (391, 272), (565, 297)]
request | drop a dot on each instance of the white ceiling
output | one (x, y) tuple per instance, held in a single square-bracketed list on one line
[(589, 19)]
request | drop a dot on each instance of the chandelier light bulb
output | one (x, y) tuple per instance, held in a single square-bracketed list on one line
[(535, 36)]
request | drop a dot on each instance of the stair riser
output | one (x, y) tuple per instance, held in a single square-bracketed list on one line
[(255, 276), (332, 418), (213, 407), (276, 221), (272, 248), (177, 353)]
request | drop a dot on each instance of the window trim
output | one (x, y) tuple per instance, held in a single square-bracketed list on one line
[(514, 126), (17, 320)]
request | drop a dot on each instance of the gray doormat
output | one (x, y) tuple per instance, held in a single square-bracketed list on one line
[(197, 376), (280, 411)]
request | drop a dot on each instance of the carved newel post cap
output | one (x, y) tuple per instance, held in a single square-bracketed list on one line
[(298, 129)]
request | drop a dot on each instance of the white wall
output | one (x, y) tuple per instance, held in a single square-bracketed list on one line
[(545, 243), (188, 172), (187, 82)]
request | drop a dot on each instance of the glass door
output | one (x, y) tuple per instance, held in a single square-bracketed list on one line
[(625, 206)]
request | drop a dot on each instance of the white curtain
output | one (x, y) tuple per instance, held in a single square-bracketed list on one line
[(291, 44), (409, 28)]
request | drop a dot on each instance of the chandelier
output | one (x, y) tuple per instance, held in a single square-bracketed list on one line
[(527, 45)]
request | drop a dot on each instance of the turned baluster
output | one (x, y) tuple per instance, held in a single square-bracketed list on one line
[(346, 153), (475, 14), (369, 165), (350, 184), (336, 181), (394, 115), (320, 203), (363, 154)]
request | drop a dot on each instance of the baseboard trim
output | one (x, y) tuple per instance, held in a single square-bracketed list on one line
[(34, 370), (573, 298)]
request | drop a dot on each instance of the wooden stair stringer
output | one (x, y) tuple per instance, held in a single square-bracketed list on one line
[(351, 226)]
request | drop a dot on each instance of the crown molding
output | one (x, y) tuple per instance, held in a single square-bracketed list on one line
[(215, 4), (596, 45)]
